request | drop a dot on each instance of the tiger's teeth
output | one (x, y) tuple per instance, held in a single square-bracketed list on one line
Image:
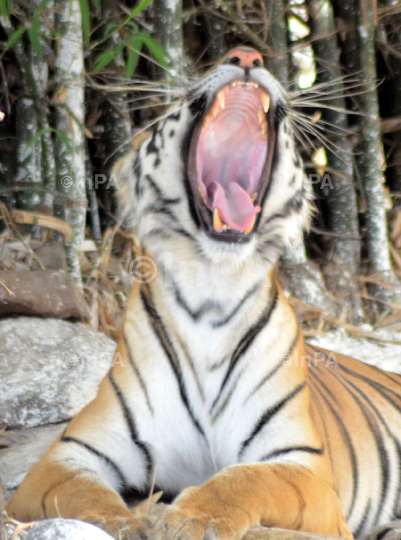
[(221, 98), (214, 111), (251, 226), (265, 99), (217, 223)]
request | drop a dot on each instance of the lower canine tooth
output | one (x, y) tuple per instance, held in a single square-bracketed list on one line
[(249, 229), (217, 223)]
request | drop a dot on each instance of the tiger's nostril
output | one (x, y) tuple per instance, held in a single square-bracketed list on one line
[(246, 58)]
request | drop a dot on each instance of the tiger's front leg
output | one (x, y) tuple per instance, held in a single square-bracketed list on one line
[(277, 495), (95, 458), (54, 490)]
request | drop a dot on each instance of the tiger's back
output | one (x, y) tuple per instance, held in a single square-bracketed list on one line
[(361, 407)]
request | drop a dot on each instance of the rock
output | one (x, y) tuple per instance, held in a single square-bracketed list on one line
[(50, 369), (62, 529), (20, 450), (45, 293), (305, 282), (51, 255), (385, 354)]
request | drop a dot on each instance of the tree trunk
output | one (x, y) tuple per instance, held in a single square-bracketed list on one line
[(168, 26), (278, 40), (342, 215), (35, 154), (70, 153), (356, 17), (340, 196)]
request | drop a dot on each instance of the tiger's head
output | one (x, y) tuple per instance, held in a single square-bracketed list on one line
[(220, 174)]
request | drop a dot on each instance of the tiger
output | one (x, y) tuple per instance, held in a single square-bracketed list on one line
[(216, 399)]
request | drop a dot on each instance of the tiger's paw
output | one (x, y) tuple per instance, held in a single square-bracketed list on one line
[(388, 531), (119, 526), (196, 517)]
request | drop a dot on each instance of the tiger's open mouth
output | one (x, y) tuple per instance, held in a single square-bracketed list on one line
[(229, 160)]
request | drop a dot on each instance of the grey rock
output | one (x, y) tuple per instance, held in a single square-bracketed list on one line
[(65, 529), (50, 369), (20, 450)]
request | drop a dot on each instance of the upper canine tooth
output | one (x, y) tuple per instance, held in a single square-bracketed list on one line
[(265, 99), (217, 223), (221, 98), (214, 110)]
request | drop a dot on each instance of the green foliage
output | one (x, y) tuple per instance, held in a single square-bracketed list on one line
[(129, 48), (5, 9), (132, 44), (86, 23)]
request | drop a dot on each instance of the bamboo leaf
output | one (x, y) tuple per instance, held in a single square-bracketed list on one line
[(35, 40), (157, 50), (85, 14), (14, 38), (37, 135), (43, 4), (102, 61), (133, 55), (140, 7), (65, 139), (5, 8)]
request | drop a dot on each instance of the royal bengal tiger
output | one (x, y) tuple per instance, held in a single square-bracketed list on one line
[(217, 394)]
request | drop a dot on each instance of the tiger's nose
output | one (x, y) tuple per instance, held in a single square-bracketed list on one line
[(245, 58)]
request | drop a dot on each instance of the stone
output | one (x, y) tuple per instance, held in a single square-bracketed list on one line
[(62, 529), (20, 450), (50, 369), (44, 293)]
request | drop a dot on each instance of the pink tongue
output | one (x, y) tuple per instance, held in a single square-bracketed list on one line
[(234, 204), (230, 156)]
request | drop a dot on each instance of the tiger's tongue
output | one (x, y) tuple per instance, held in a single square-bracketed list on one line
[(230, 156)]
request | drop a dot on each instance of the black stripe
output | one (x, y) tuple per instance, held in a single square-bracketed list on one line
[(207, 306), (156, 208), (165, 342), (359, 529), (100, 455), (293, 205), (251, 292), (159, 192), (284, 451), (385, 532), (138, 373), (268, 415), (322, 418), (138, 174), (227, 398), (191, 202), (247, 340), (347, 438), (132, 427), (277, 367)]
